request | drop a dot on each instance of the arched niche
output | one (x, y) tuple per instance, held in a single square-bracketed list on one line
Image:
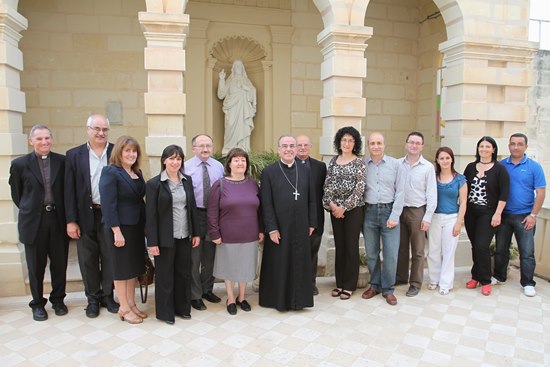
[(221, 56)]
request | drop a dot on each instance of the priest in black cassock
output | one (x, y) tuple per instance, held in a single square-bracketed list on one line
[(288, 206)]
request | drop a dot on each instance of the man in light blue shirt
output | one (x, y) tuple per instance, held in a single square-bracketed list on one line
[(419, 206), (383, 205), (202, 256), (527, 193)]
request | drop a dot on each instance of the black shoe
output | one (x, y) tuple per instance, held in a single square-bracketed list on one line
[(198, 304), (110, 304), (315, 290), (60, 309), (211, 297), (39, 314), (413, 291), (185, 317), (245, 306), (169, 322), (232, 308), (92, 311)]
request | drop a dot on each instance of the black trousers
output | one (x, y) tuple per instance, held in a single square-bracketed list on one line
[(315, 243), (202, 278), (480, 232), (51, 242), (94, 261), (173, 280), (346, 241)]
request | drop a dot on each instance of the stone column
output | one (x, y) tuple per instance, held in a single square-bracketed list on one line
[(13, 142), (165, 27), (486, 88)]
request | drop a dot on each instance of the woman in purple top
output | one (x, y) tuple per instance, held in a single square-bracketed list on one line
[(234, 225)]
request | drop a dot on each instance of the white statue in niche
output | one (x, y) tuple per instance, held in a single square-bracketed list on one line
[(239, 106)]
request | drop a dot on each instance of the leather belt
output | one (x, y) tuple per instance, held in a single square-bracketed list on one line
[(381, 205), (49, 207), (96, 206), (202, 209)]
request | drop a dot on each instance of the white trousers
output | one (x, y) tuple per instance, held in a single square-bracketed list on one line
[(441, 250)]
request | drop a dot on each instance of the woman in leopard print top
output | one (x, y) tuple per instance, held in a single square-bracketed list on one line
[(343, 197)]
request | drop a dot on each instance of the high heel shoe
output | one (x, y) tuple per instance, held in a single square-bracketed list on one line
[(135, 320), (135, 310)]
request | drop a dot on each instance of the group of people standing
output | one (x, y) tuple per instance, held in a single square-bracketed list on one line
[(201, 219), (409, 202)]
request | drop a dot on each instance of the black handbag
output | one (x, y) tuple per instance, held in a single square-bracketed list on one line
[(147, 278)]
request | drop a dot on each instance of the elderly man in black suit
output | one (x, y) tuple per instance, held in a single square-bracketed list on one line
[(36, 181), (318, 173), (83, 212)]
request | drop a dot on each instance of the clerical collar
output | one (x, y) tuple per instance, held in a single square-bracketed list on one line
[(289, 165), (40, 156)]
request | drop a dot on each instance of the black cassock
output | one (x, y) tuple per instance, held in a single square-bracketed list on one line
[(285, 278)]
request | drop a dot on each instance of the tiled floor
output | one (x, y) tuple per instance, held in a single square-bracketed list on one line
[(461, 329)]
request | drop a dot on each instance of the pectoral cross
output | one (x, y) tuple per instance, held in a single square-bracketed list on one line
[(296, 194)]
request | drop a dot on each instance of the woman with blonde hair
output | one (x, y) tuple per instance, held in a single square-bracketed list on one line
[(122, 189)]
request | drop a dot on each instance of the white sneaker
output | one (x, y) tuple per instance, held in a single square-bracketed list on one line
[(432, 286), (443, 291), (529, 291), (495, 281)]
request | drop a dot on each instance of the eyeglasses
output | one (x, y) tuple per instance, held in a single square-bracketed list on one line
[(417, 143), (303, 145), (204, 146), (98, 130), (287, 146)]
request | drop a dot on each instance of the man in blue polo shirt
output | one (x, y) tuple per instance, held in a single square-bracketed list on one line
[(527, 192)]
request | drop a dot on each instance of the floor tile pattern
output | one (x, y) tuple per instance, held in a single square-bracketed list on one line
[(461, 329)]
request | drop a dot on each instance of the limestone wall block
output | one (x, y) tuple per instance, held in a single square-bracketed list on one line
[(116, 25), (380, 27), (162, 125), (306, 54), (165, 103), (70, 79), (378, 123), (313, 104), (116, 43), (57, 42), (108, 7), (406, 30), (353, 66), (12, 99), (154, 145), (374, 107), (399, 45), (157, 58), (297, 86), (313, 71), (402, 12), (349, 87), (35, 79), (397, 107), (299, 103), (98, 97), (47, 22), (123, 61), (304, 119), (12, 144), (342, 106), (165, 81), (80, 23), (385, 91), (386, 61), (298, 70)]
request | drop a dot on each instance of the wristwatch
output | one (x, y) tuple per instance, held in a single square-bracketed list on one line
[(533, 215)]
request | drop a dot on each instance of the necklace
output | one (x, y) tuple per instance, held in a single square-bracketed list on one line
[(485, 162), (295, 193)]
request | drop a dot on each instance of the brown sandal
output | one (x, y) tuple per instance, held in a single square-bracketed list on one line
[(135, 310), (134, 320), (336, 292)]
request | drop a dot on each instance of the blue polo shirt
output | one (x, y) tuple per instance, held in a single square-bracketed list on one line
[(525, 177)]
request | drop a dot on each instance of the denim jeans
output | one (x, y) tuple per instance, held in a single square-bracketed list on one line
[(382, 273), (511, 224)]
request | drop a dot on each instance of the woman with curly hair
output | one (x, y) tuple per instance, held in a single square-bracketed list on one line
[(344, 197)]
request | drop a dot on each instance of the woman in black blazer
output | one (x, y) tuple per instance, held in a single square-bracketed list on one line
[(172, 229), (122, 188)]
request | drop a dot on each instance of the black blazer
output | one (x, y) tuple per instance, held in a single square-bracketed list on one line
[(27, 192), (78, 189), (160, 220), (318, 171), (121, 202)]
